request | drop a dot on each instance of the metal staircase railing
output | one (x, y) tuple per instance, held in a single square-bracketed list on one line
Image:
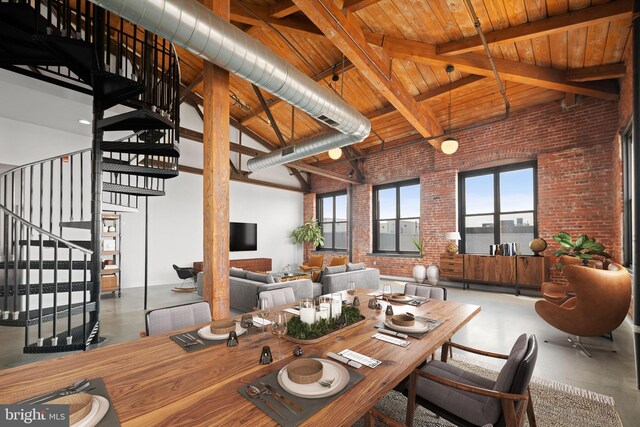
[(45, 277)]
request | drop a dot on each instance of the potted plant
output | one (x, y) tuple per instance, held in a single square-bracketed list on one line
[(583, 248), (309, 232), (419, 270)]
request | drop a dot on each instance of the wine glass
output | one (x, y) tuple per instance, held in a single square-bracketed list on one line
[(279, 328), (351, 289), (263, 312), (246, 321), (386, 292), (341, 320), (372, 305)]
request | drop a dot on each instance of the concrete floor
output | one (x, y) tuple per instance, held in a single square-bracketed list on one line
[(502, 319)]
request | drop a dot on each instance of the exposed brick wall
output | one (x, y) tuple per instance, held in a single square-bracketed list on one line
[(577, 190)]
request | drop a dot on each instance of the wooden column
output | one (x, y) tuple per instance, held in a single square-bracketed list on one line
[(216, 181)]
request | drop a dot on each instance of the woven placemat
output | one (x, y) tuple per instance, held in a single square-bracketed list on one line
[(432, 325), (309, 406), (205, 343)]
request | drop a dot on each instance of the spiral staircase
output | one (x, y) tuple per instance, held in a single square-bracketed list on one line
[(50, 210)]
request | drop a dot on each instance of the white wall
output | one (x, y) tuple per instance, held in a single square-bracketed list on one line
[(175, 228)]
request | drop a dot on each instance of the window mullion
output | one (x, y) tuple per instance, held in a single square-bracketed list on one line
[(496, 207)]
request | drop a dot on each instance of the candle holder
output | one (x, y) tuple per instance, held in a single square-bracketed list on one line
[(265, 356)]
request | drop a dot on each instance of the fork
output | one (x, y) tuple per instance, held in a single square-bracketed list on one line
[(326, 383)]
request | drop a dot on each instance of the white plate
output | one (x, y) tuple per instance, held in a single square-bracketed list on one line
[(418, 327), (208, 335), (330, 369), (401, 298), (99, 408)]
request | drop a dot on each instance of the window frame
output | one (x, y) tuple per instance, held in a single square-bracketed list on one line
[(495, 171), (319, 216), (376, 237), (626, 140)]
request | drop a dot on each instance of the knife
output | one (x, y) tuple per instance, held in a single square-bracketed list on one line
[(282, 398), (345, 360), (76, 387)]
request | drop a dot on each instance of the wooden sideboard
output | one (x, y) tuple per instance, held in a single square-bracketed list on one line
[(251, 264), (522, 271)]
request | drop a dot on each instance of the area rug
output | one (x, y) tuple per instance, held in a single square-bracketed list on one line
[(555, 404)]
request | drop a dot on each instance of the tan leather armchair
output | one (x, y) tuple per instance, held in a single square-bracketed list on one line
[(558, 293), (601, 302), (315, 263)]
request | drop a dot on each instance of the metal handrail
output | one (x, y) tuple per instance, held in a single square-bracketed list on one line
[(45, 232), (17, 168)]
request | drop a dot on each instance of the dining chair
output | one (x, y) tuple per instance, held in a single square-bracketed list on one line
[(467, 399), (278, 297), (177, 317), (425, 291)]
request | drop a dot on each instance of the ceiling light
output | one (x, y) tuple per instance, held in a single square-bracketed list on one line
[(335, 153), (449, 145), (84, 122)]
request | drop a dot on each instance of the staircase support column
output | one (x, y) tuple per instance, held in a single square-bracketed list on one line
[(96, 181), (216, 181)]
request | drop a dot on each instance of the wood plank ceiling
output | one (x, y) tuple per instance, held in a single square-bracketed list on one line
[(544, 51)]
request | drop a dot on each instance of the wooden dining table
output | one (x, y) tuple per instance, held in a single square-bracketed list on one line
[(152, 381)]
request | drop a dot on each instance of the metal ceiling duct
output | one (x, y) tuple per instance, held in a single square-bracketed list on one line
[(192, 26)]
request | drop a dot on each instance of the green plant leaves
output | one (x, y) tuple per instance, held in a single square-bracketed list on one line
[(583, 248), (309, 232)]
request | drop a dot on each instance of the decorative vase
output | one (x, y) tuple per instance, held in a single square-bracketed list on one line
[(419, 273), (433, 274)]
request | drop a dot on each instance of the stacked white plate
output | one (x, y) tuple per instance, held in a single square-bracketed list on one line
[(417, 328), (208, 335), (99, 408), (330, 371), (400, 298)]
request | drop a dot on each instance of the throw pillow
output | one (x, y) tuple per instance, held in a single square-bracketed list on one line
[(262, 278), (355, 267), (334, 270), (338, 260), (238, 272)]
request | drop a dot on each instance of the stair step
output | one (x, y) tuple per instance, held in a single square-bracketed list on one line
[(112, 207), (139, 170), (85, 225), (151, 136), (168, 150), (47, 288), (114, 88), (47, 314), (77, 55), (52, 243), (81, 335), (136, 120), (133, 191), (46, 265), (23, 17)]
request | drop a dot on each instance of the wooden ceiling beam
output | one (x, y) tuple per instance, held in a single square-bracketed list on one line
[(442, 90), (233, 176), (259, 15), (618, 9), (185, 91), (475, 63), (287, 7), (345, 33), (342, 66), (600, 72)]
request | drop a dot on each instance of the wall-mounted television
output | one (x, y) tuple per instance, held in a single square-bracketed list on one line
[(243, 236)]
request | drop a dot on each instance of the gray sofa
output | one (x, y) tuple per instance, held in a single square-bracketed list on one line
[(330, 282), (243, 293)]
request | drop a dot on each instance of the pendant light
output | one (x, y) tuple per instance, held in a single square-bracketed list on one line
[(335, 153), (450, 144)]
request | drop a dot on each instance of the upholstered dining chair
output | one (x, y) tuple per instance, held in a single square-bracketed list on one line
[(278, 297), (425, 291), (315, 263), (558, 293), (467, 399), (600, 304), (177, 317)]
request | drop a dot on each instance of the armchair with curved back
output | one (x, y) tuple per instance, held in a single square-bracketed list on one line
[(558, 293), (600, 304), (315, 263)]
